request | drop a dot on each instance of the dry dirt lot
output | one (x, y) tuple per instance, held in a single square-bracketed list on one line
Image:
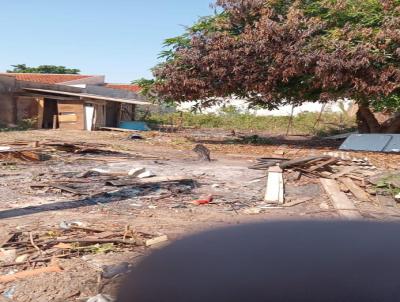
[(30, 205)]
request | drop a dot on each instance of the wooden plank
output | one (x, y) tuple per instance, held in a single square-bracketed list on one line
[(29, 274), (156, 240), (344, 206), (60, 187), (302, 161), (344, 171), (40, 113), (72, 107), (67, 189), (359, 193), (68, 118), (323, 164), (55, 119), (5, 238)]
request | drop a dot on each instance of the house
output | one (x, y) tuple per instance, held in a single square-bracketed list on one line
[(66, 101)]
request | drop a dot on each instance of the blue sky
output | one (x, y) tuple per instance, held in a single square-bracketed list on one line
[(118, 38)]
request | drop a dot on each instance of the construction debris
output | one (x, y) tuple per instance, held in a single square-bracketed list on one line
[(67, 242), (101, 298), (30, 273), (357, 191), (200, 202), (297, 201), (76, 206), (356, 176), (274, 192), (156, 240), (26, 154), (341, 203)]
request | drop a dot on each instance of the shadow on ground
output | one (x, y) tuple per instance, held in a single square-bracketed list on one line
[(100, 199), (256, 140)]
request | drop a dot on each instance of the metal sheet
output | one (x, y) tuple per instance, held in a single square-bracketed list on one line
[(394, 144), (372, 142), (89, 96)]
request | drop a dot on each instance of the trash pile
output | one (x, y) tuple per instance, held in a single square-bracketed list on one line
[(27, 253)]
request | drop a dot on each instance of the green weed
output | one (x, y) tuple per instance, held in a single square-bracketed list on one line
[(305, 123)]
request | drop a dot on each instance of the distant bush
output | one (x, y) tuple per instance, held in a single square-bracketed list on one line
[(304, 123), (26, 124)]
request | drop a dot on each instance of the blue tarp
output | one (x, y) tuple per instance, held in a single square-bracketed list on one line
[(134, 125)]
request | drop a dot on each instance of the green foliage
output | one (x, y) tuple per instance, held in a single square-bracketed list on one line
[(391, 102), (229, 110), (145, 84), (50, 69), (255, 140), (385, 184), (338, 13), (147, 90), (304, 123), (23, 125)]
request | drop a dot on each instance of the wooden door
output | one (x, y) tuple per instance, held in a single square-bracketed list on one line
[(71, 115)]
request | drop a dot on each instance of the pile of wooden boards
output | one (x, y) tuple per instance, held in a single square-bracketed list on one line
[(337, 174), (319, 166), (28, 250)]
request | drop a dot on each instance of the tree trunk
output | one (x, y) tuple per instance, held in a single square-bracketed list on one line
[(367, 122), (393, 124)]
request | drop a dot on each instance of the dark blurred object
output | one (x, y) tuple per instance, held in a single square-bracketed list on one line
[(136, 137), (277, 262), (202, 152)]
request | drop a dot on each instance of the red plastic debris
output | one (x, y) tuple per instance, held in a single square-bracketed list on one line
[(208, 200)]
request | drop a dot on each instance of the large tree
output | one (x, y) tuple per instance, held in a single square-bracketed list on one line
[(50, 69), (275, 52)]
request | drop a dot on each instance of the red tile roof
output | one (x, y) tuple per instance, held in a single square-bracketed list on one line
[(128, 87), (47, 78)]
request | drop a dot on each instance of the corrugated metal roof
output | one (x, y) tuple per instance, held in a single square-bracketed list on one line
[(89, 96)]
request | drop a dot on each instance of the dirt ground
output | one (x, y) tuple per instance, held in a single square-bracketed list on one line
[(236, 189)]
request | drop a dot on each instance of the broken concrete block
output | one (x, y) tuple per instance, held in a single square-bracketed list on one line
[(275, 186)]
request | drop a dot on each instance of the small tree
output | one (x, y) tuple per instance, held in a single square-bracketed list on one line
[(277, 52), (50, 69)]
